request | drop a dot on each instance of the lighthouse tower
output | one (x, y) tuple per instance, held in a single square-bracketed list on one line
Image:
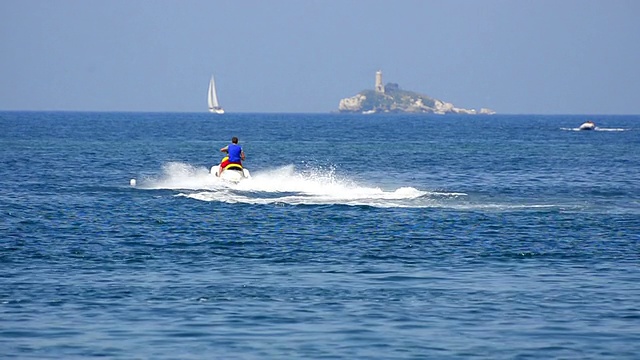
[(379, 86)]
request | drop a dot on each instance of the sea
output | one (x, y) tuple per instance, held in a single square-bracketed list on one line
[(383, 236)]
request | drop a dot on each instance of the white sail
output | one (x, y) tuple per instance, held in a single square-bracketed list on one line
[(212, 98)]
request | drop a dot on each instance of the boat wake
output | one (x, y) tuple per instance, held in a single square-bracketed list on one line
[(286, 185), (595, 129)]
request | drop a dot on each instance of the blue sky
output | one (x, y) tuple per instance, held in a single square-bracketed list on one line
[(516, 57)]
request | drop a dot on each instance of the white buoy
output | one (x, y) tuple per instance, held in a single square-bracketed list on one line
[(132, 182)]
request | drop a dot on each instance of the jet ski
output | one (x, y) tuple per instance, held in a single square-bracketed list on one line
[(233, 173), (587, 125)]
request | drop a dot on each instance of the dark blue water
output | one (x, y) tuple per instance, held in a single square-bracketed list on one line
[(357, 237)]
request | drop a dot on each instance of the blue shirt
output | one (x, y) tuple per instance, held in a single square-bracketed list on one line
[(234, 151)]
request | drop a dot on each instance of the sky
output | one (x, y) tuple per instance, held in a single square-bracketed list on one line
[(303, 56)]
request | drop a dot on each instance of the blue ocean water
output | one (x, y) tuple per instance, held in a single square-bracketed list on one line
[(357, 237)]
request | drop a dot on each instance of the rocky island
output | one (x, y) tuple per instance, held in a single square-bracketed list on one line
[(390, 98)]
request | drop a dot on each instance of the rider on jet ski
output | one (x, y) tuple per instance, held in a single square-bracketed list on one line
[(234, 157)]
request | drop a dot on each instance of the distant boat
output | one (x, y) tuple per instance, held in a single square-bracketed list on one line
[(212, 99), (588, 125)]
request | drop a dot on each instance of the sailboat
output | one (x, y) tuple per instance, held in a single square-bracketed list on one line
[(212, 98)]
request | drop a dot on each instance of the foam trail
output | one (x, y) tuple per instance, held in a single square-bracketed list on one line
[(176, 175), (610, 129), (310, 187), (596, 129), (318, 186)]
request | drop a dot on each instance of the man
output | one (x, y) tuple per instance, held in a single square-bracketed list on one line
[(234, 158)]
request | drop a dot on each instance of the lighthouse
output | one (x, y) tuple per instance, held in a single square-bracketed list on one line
[(379, 86)]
